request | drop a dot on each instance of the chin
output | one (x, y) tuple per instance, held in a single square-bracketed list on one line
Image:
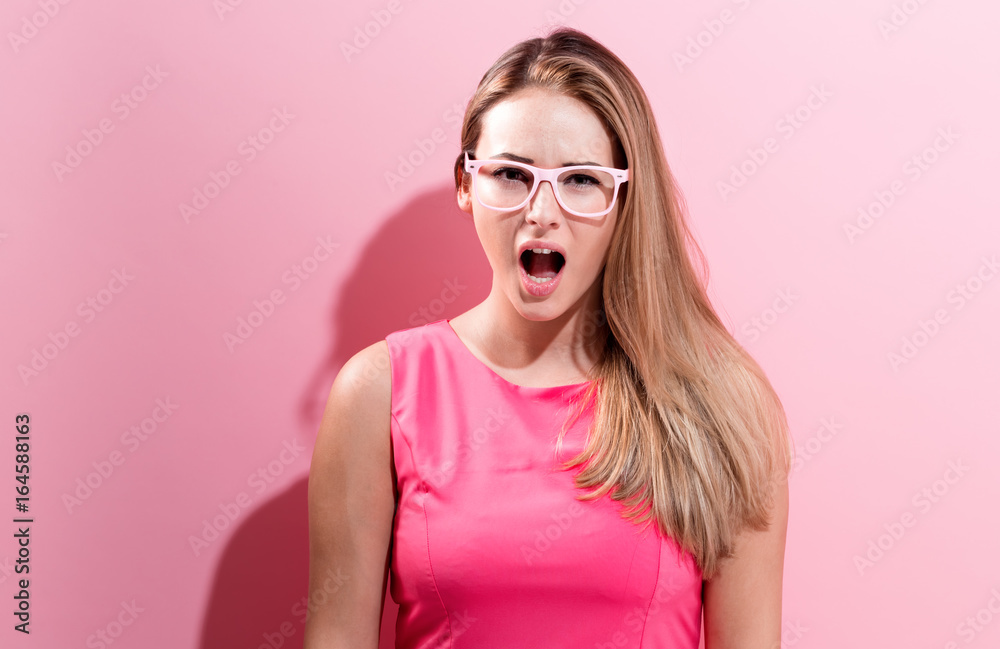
[(539, 317), (539, 310)]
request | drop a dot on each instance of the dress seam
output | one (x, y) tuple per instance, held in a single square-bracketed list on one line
[(423, 507)]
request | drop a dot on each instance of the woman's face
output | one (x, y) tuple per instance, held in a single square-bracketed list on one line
[(545, 129)]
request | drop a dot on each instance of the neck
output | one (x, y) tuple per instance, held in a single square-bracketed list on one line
[(563, 348)]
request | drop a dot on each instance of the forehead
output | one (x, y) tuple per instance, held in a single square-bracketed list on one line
[(546, 126)]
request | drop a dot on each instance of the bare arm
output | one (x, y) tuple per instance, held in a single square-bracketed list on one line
[(742, 602), (351, 507)]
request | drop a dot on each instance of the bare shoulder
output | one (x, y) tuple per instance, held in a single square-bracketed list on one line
[(366, 379), (358, 410), (351, 496)]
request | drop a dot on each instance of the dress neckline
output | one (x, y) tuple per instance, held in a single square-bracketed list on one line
[(446, 323)]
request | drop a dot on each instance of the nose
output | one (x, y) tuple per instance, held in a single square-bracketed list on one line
[(544, 210)]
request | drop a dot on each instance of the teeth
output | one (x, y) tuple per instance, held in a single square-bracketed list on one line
[(541, 251), (540, 280)]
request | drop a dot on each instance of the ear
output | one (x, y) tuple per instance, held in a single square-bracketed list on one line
[(464, 194)]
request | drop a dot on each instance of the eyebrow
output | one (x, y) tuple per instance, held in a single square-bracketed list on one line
[(516, 158)]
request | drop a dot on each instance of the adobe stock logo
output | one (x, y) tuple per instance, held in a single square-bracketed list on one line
[(704, 39), (231, 510), (787, 126), (223, 7), (960, 295), (122, 107), (923, 501), (248, 149), (971, 626), (263, 309), (424, 148), (913, 170), (60, 339), (565, 9), (363, 36), (817, 442), (544, 539), (899, 17), (105, 637), (758, 324), (133, 438), (30, 26), (483, 435)]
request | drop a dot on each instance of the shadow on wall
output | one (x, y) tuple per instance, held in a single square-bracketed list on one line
[(424, 264)]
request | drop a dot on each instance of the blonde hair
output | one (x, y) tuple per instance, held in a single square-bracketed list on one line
[(688, 431)]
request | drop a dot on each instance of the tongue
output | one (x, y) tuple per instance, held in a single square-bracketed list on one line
[(541, 265)]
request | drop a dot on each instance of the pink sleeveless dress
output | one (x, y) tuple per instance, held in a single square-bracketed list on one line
[(490, 548)]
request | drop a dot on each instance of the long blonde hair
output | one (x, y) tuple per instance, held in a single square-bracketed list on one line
[(688, 431)]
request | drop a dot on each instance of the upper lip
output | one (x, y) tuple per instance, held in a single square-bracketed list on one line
[(538, 243)]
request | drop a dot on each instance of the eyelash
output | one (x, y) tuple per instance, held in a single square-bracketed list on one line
[(589, 180)]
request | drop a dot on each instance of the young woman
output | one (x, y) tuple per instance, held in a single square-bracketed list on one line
[(587, 458)]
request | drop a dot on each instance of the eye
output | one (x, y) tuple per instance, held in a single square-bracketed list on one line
[(511, 174), (583, 179)]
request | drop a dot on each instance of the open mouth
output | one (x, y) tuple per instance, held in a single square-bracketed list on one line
[(542, 266)]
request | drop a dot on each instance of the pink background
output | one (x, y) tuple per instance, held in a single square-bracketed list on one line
[(822, 310)]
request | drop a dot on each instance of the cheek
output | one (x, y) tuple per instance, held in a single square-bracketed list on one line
[(491, 240), (607, 234), (599, 250)]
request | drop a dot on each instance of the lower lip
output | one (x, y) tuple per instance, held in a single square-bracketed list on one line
[(536, 289)]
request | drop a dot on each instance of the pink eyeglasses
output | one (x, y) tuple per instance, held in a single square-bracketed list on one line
[(582, 190)]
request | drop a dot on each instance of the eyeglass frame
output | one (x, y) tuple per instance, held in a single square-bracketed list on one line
[(551, 175)]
